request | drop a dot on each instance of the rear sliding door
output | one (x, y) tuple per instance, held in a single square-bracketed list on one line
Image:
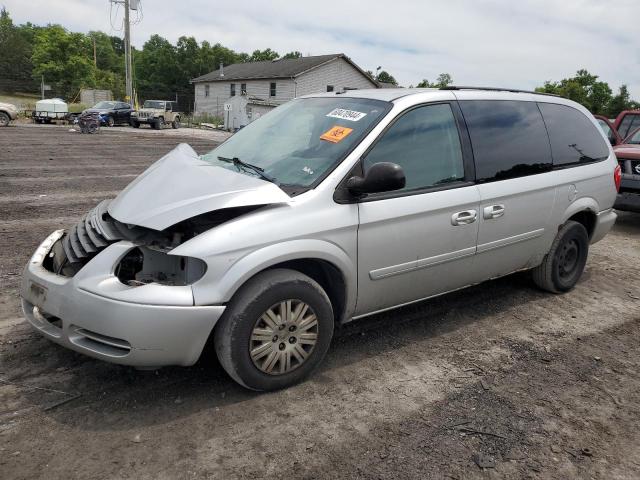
[(516, 184)]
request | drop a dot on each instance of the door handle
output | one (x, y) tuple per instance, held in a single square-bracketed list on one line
[(464, 218), (493, 211)]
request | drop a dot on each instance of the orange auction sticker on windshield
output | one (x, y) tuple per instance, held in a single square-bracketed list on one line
[(336, 134)]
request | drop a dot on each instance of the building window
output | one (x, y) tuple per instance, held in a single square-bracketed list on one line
[(233, 89), (329, 88), (206, 90), (243, 89), (272, 89)]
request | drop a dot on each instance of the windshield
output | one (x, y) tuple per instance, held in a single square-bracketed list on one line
[(153, 104), (302, 140), (634, 138), (105, 105)]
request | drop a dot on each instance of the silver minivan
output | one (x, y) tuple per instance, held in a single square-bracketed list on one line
[(330, 208)]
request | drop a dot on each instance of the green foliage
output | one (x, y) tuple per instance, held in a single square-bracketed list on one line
[(443, 80), (295, 54), (262, 55), (15, 59), (595, 95), (386, 77)]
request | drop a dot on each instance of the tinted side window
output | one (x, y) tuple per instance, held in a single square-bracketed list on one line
[(508, 138), (426, 144), (574, 138)]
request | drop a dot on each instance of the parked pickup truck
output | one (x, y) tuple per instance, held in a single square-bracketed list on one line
[(628, 153)]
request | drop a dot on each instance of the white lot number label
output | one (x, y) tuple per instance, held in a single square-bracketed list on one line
[(343, 114), (227, 107)]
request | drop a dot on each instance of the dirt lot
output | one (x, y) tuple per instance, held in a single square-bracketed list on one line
[(522, 383)]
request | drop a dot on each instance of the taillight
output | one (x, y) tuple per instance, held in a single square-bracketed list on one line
[(617, 177)]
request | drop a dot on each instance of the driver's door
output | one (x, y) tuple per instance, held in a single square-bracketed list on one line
[(421, 240)]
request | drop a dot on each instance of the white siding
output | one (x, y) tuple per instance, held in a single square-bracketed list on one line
[(339, 73), (220, 92)]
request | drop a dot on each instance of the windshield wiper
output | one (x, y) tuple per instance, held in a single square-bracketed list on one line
[(260, 171)]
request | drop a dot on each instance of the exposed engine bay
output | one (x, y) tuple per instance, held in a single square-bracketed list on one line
[(148, 262)]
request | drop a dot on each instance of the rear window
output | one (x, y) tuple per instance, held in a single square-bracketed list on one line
[(574, 138), (509, 138)]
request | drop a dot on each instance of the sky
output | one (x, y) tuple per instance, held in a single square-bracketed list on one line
[(504, 43)]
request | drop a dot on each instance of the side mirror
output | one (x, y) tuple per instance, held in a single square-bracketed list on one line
[(380, 177)]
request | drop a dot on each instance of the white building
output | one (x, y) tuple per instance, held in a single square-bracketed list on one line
[(253, 88)]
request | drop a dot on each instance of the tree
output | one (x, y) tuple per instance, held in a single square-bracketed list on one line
[(64, 59), (295, 54), (156, 68), (262, 55), (386, 77), (621, 101), (443, 80), (15, 60), (583, 88)]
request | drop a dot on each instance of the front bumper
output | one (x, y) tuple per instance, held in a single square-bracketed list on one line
[(93, 313), (145, 119)]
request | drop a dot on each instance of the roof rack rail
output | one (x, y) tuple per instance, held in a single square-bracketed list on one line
[(496, 89)]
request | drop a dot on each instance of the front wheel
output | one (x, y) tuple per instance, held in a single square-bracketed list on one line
[(135, 124), (4, 119), (563, 265), (110, 121), (176, 123), (275, 331), (157, 124)]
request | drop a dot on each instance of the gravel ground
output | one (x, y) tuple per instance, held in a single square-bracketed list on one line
[(496, 381)]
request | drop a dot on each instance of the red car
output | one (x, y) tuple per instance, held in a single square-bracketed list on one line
[(628, 153), (627, 122), (609, 130)]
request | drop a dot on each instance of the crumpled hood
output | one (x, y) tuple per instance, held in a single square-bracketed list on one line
[(180, 185)]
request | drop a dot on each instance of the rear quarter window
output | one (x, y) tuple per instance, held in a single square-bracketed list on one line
[(509, 138), (574, 138)]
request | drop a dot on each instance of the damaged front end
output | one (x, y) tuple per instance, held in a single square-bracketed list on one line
[(148, 262)]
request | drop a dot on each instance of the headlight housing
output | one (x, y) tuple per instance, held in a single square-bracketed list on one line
[(143, 265)]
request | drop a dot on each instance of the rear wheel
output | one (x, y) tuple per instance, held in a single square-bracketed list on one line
[(4, 119), (563, 265), (176, 123), (275, 331)]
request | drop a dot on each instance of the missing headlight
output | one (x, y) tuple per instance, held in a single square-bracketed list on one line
[(142, 266)]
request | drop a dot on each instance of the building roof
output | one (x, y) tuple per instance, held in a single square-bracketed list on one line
[(281, 68)]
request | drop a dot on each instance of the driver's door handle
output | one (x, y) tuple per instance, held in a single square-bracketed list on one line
[(493, 211), (464, 218)]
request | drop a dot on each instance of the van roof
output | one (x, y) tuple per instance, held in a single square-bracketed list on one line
[(391, 94)]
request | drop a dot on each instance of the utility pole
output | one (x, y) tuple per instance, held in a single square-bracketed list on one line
[(127, 53)]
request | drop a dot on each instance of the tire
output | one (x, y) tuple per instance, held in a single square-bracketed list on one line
[(110, 121), (135, 124), (563, 265), (235, 335), (157, 124), (4, 119), (176, 123)]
